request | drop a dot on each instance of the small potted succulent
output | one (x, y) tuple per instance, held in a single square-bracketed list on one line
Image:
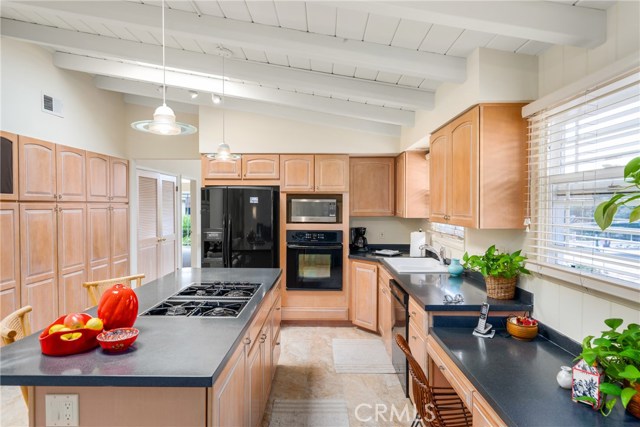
[(617, 355), (500, 270)]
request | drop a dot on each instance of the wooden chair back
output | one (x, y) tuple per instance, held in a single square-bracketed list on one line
[(96, 289), (13, 328), (436, 406)]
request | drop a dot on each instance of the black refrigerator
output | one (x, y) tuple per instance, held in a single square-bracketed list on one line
[(240, 227)]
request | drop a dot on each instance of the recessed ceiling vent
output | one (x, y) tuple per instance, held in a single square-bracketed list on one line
[(51, 105)]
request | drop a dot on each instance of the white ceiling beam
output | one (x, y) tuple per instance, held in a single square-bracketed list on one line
[(96, 45), (153, 75), (261, 37), (544, 21), (146, 94)]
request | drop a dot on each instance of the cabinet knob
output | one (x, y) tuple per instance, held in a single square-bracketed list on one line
[(278, 309), (442, 368), (278, 343), (414, 337), (413, 313), (247, 341)]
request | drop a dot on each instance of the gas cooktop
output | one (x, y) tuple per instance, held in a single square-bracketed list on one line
[(215, 299)]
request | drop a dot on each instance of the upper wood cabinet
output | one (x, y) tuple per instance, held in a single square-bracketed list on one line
[(260, 166), (107, 178), (221, 169), (412, 185), (332, 173), (37, 170), (372, 186), (97, 177), (71, 174), (477, 168), (297, 172), (119, 180), (8, 166), (364, 294)]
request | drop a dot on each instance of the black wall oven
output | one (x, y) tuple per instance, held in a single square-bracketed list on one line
[(314, 260)]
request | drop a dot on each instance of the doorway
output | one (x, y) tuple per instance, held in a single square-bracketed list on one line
[(187, 207)]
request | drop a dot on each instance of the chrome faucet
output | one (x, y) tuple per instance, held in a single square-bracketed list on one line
[(425, 247)]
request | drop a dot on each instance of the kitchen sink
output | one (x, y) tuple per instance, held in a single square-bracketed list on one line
[(416, 265)]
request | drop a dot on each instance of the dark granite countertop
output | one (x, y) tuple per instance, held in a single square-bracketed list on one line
[(169, 352), (429, 289), (518, 379)]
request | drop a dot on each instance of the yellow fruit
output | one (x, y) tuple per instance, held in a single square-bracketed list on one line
[(94, 323), (72, 336), (55, 328)]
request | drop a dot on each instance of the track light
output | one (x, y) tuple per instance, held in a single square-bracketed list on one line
[(193, 94), (216, 99)]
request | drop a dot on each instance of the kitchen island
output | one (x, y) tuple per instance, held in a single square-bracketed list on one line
[(172, 374)]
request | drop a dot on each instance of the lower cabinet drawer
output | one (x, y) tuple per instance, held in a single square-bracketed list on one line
[(458, 381)]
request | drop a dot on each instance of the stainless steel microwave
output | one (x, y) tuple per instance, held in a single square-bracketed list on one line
[(313, 210)]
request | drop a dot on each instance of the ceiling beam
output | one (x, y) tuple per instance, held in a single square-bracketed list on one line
[(203, 83), (135, 90), (96, 45), (261, 37), (545, 21)]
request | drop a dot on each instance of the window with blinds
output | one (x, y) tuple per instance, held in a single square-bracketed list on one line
[(577, 153)]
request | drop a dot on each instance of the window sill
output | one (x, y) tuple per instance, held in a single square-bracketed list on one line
[(621, 289)]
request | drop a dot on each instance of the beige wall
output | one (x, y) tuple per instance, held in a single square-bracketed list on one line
[(140, 145), (92, 117), (387, 229), (257, 133), (562, 65), (492, 76)]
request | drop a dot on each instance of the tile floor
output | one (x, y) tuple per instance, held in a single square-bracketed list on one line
[(305, 371)]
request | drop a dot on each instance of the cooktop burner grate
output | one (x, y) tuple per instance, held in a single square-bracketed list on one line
[(187, 308), (220, 290)]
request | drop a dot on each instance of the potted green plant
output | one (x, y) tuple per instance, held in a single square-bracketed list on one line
[(618, 355), (500, 270), (605, 211)]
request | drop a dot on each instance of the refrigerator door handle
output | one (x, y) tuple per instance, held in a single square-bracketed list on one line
[(229, 257), (224, 241)]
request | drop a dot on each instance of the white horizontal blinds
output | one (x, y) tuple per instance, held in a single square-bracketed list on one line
[(577, 153)]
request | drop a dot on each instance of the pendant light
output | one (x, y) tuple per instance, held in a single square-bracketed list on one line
[(164, 119), (224, 151)]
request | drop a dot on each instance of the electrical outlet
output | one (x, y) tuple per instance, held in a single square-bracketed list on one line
[(382, 235), (62, 410)]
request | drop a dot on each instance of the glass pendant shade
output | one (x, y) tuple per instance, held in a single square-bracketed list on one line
[(223, 153)]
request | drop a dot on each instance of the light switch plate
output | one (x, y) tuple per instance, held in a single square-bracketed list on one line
[(62, 410)]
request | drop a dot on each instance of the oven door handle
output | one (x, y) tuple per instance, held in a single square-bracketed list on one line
[(313, 247)]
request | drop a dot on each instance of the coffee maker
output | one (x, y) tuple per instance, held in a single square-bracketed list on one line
[(358, 242)]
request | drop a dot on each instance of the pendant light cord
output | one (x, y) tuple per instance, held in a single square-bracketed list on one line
[(223, 100), (164, 66)]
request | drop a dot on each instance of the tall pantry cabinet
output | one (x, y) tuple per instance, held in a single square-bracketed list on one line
[(46, 230)]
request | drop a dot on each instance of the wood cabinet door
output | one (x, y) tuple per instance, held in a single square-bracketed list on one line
[(483, 415), (38, 248), (37, 160), (372, 186), (275, 330), (229, 402), (97, 177), (119, 247), (418, 345), (261, 166), (71, 167), (9, 258), (416, 185), (297, 172), (99, 236), (386, 308), (364, 285), (463, 177), (255, 383), (332, 173), (401, 189), (8, 166), (438, 174), (118, 180), (72, 257), (221, 169)]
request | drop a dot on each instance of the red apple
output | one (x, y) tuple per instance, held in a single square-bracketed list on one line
[(74, 321)]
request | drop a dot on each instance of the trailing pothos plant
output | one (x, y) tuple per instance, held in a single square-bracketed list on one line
[(605, 211), (496, 263), (618, 354)]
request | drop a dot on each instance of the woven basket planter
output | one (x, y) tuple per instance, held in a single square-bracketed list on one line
[(500, 287)]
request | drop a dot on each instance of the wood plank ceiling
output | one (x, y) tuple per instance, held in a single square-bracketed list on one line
[(373, 63)]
